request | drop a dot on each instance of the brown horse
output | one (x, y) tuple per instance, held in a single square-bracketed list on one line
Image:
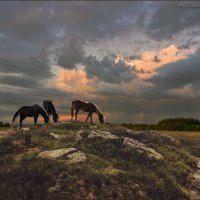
[(86, 107), (31, 111)]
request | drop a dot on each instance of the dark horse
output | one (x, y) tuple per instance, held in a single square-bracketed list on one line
[(86, 107), (31, 111), (49, 107)]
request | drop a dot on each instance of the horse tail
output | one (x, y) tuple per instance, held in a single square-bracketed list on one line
[(16, 114)]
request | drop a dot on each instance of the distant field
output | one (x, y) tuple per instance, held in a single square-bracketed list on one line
[(182, 134), (4, 128)]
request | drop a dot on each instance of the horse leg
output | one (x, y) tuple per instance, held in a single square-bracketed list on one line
[(91, 118), (76, 114), (22, 117), (35, 119), (72, 113), (87, 117)]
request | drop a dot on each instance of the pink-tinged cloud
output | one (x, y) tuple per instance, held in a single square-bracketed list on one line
[(73, 81), (147, 63)]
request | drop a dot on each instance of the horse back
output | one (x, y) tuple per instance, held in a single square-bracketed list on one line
[(84, 106)]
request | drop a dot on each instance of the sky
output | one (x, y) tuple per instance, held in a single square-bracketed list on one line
[(138, 61)]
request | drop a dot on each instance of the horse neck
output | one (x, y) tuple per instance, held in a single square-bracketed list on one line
[(53, 110), (98, 111), (43, 113)]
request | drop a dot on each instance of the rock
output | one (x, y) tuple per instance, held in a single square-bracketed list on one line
[(7, 133), (140, 194), (56, 136), (76, 157), (194, 187), (69, 155), (101, 135), (111, 171), (151, 135), (78, 135), (151, 153), (93, 127), (25, 129)]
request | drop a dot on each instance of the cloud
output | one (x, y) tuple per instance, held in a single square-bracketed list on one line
[(108, 70), (32, 67), (156, 59), (74, 82), (183, 47), (146, 66), (187, 91), (72, 54), (167, 21), (177, 74)]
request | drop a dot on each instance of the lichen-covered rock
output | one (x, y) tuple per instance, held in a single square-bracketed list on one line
[(70, 155), (151, 153), (79, 135), (25, 129), (101, 135), (151, 135), (56, 136), (93, 127), (7, 133), (76, 157)]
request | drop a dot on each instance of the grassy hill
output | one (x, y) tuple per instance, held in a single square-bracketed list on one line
[(111, 170)]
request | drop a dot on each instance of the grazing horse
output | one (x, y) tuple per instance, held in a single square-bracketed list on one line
[(31, 111), (86, 107), (49, 107)]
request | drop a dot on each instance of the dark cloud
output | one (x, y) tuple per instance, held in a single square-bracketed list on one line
[(183, 47), (32, 67), (19, 81), (107, 70), (133, 57), (156, 59), (175, 75), (72, 54), (167, 21)]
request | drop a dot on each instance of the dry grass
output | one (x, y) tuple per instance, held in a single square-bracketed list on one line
[(182, 134)]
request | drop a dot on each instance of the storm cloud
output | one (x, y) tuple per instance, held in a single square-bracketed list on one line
[(108, 70)]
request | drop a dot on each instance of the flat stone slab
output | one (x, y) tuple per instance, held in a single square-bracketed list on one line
[(151, 153), (101, 135), (149, 135), (70, 155)]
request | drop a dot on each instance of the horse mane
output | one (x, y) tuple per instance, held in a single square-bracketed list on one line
[(98, 111), (42, 111), (52, 108)]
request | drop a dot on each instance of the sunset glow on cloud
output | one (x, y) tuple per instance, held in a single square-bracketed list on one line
[(73, 81), (151, 60)]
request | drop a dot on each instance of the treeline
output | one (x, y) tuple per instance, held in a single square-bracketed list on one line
[(171, 124), (4, 124)]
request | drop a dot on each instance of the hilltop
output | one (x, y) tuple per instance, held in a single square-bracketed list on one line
[(75, 160)]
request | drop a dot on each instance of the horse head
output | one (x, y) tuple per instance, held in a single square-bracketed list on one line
[(102, 118), (55, 117), (46, 119)]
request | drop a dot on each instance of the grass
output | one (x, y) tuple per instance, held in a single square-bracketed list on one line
[(191, 140), (183, 134), (4, 128), (111, 171)]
